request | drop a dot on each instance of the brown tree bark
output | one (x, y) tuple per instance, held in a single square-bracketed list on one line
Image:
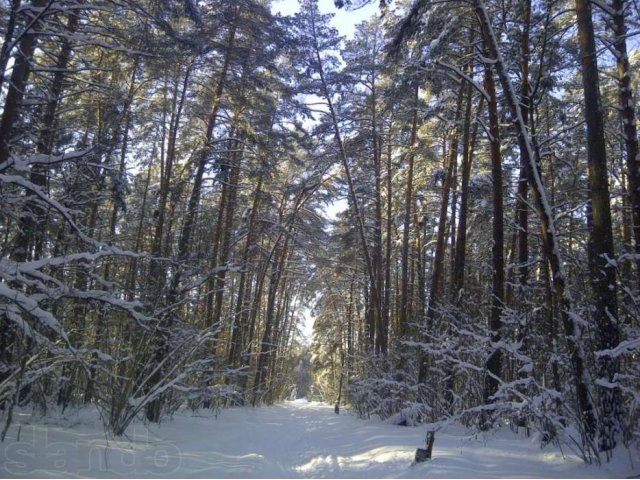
[(380, 310), (215, 320), (547, 230), (404, 310), (276, 261), (494, 362), (166, 174), (602, 272), (468, 150), (386, 300), (522, 207), (469, 144), (157, 270), (239, 326), (437, 277), (375, 293), (202, 159), (628, 118), (266, 346)]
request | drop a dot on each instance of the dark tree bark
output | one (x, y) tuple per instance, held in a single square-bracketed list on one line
[(437, 277), (469, 143), (202, 159), (166, 175), (386, 300), (239, 326), (494, 362), (404, 310), (5, 52), (266, 346), (157, 270), (548, 232), (628, 118), (522, 207), (375, 293), (19, 78), (602, 272), (215, 320), (468, 149), (381, 312)]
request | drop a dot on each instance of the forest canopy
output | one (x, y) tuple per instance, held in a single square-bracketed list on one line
[(166, 171)]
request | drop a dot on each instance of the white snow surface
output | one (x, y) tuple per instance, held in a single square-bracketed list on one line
[(297, 439)]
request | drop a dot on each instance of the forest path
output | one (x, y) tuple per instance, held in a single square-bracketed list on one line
[(293, 440), (299, 439)]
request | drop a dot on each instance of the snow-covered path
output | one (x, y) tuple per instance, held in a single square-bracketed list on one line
[(297, 439)]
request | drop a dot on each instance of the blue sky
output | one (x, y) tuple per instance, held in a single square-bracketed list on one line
[(344, 21)]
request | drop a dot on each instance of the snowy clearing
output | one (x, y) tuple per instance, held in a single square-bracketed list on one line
[(293, 440)]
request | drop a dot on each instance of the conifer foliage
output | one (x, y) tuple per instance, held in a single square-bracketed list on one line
[(167, 173)]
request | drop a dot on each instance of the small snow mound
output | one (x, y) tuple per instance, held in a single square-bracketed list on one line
[(298, 401)]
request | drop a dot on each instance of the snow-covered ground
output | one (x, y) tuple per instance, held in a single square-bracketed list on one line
[(297, 439)]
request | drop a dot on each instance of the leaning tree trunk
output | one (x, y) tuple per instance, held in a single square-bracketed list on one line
[(548, 232), (375, 294), (277, 260), (266, 345)]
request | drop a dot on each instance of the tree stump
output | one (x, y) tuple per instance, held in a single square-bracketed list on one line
[(424, 454), (336, 408)]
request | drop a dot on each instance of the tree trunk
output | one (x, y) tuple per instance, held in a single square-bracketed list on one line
[(234, 177), (405, 313), (240, 316), (435, 292), (494, 362), (266, 346), (18, 82), (157, 270), (603, 274), (377, 263), (547, 228), (522, 207), (5, 52), (469, 144), (386, 301), (375, 292), (628, 119), (166, 177), (202, 156)]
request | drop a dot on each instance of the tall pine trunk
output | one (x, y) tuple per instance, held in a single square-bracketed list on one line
[(405, 307), (548, 232), (437, 277), (628, 118), (602, 271), (494, 362)]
